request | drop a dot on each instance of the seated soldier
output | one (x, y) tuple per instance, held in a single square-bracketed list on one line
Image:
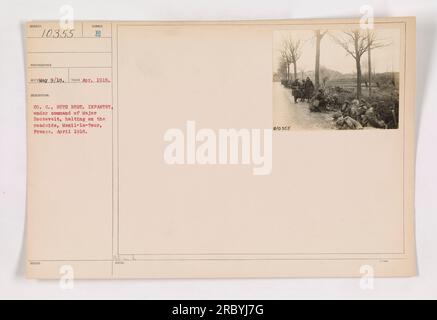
[(346, 108), (371, 119), (320, 96)]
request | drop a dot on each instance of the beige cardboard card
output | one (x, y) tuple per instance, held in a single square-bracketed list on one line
[(221, 149)]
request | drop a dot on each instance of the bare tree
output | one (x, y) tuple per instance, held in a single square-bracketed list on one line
[(355, 43), (283, 68), (286, 60), (302, 73), (319, 37), (293, 49), (372, 43), (325, 79)]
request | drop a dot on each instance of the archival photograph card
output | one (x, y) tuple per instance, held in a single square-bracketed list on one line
[(222, 149)]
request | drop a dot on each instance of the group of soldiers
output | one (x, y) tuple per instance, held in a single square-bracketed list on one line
[(355, 114), (302, 90), (358, 114)]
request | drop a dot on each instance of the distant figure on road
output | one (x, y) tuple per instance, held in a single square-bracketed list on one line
[(309, 88), (296, 90)]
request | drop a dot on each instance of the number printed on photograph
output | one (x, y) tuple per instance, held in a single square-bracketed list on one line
[(339, 79)]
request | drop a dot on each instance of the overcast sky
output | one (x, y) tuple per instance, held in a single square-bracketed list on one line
[(334, 56)]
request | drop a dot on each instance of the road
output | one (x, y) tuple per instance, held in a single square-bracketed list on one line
[(296, 115)]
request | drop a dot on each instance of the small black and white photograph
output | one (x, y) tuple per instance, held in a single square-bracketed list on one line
[(341, 79)]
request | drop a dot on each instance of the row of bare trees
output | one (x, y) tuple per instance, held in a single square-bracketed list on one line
[(290, 54), (354, 42)]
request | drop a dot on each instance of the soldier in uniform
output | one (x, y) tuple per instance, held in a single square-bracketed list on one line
[(295, 90), (371, 119), (309, 88)]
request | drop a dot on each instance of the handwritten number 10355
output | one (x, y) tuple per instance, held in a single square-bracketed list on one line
[(57, 33)]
